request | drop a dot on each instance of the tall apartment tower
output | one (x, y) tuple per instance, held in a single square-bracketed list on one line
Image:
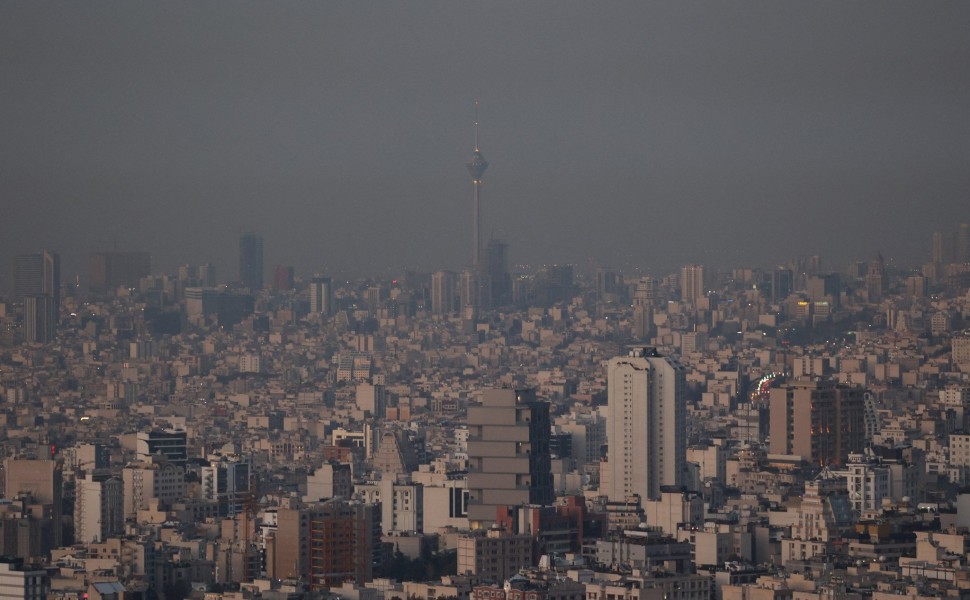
[(818, 420), (644, 296), (876, 279), (692, 283), (321, 296), (497, 273), (39, 319), (36, 275), (508, 453), (443, 292), (99, 509), (470, 289), (646, 424), (939, 248), (251, 260)]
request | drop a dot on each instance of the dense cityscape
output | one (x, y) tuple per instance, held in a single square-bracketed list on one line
[(786, 433), (272, 327)]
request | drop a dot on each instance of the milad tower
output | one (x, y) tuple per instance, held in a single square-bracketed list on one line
[(476, 168)]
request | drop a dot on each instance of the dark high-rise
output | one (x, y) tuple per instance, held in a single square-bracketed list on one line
[(497, 270), (110, 270), (36, 275), (38, 319), (251, 260)]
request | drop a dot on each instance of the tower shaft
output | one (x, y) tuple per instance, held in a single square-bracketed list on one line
[(476, 224)]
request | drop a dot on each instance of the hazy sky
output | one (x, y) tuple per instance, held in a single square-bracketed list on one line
[(619, 133)]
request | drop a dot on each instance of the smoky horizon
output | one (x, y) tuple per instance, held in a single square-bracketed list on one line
[(637, 136)]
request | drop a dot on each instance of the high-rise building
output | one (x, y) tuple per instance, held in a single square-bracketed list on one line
[(963, 243), (111, 270), (321, 296), (692, 284), (38, 319), (644, 297), (497, 272), (36, 275), (21, 582), (251, 260), (443, 292), (781, 284), (470, 289), (646, 424), (283, 278), (99, 508), (325, 544), (939, 248), (820, 421), (876, 279), (824, 287), (476, 168), (607, 284), (554, 284), (155, 478), (509, 462), (43, 481), (227, 483)]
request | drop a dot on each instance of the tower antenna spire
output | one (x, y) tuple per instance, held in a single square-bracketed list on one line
[(476, 125)]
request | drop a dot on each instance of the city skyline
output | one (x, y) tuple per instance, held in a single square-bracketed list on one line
[(650, 136), (711, 340)]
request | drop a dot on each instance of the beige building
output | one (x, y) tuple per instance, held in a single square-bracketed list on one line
[(645, 425), (98, 509), (668, 587), (692, 284), (817, 420), (152, 478), (494, 555), (42, 479), (960, 346), (22, 583), (508, 453), (674, 507)]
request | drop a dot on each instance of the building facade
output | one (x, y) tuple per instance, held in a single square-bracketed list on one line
[(508, 453), (251, 260), (646, 425), (820, 421)]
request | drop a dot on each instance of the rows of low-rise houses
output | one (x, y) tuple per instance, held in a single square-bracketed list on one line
[(275, 452)]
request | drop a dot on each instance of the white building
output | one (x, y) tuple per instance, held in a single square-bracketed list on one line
[(867, 481), (402, 504), (646, 424), (443, 292), (321, 295), (98, 509), (19, 582)]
